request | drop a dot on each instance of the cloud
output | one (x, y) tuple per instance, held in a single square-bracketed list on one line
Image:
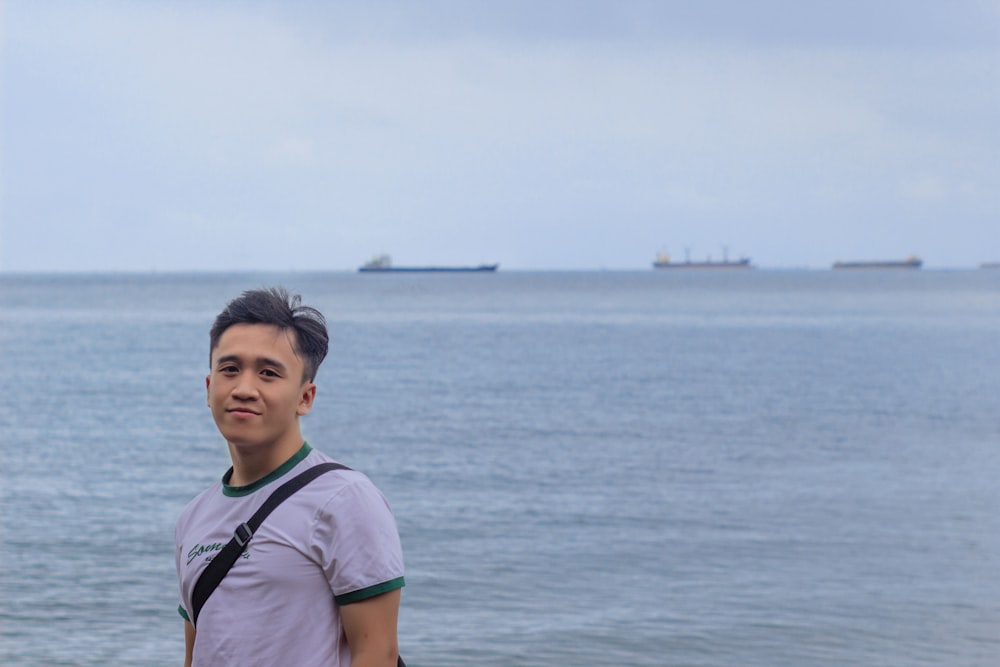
[(295, 150), (928, 188)]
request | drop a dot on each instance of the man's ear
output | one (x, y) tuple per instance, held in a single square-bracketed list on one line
[(306, 399), (208, 389)]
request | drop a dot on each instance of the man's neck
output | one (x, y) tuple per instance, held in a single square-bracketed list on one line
[(251, 464)]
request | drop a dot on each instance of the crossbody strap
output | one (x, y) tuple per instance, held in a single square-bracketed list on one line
[(224, 559)]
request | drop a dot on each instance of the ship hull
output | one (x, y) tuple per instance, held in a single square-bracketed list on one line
[(742, 264), (904, 264), (482, 268)]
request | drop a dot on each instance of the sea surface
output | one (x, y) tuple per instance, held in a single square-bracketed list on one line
[(759, 468)]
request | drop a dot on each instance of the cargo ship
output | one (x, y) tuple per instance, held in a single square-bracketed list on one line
[(663, 261), (908, 263), (383, 264)]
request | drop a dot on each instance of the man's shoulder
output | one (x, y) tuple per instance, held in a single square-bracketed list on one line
[(201, 500), (321, 490), (332, 481)]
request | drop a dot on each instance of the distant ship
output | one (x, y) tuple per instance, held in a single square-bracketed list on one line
[(383, 264), (663, 261), (908, 263), (990, 265)]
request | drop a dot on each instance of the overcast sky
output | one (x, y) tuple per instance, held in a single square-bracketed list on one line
[(568, 134)]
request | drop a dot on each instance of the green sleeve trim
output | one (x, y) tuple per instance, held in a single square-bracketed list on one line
[(184, 614), (370, 592)]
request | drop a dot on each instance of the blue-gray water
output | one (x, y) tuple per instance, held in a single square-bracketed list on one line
[(764, 468)]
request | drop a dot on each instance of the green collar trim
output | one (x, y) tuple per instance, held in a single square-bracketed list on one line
[(237, 491)]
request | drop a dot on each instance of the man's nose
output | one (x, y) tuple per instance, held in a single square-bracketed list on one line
[(246, 387)]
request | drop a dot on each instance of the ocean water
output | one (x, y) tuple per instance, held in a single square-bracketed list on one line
[(762, 468)]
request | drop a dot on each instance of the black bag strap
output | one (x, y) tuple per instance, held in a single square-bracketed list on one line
[(224, 560)]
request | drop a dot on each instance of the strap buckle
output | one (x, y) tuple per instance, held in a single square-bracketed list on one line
[(242, 535)]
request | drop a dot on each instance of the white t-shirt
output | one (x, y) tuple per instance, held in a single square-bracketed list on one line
[(331, 543)]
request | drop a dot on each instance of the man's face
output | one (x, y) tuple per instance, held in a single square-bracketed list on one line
[(256, 389)]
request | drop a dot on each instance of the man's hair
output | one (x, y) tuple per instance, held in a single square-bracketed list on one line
[(277, 307)]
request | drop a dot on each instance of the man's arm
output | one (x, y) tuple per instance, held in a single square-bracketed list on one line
[(188, 643), (370, 627)]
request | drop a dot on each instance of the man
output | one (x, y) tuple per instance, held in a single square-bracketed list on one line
[(319, 583)]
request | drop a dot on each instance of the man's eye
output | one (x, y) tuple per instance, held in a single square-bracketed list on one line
[(269, 373), (228, 369)]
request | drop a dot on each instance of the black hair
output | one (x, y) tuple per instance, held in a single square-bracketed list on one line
[(276, 306)]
